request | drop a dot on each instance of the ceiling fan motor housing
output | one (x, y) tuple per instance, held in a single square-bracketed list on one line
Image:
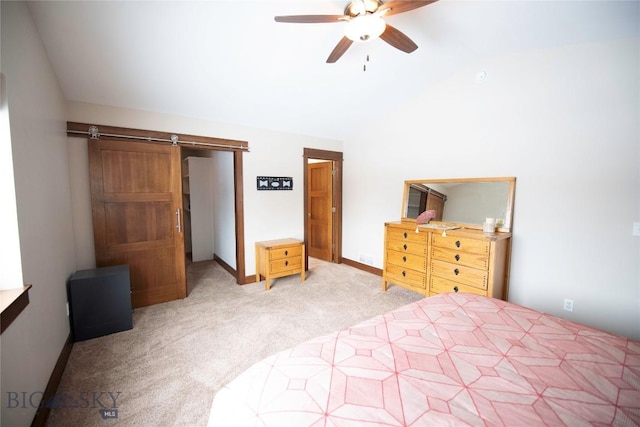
[(360, 7)]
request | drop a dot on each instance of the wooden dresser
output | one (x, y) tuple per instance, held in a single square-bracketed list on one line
[(279, 258), (461, 260)]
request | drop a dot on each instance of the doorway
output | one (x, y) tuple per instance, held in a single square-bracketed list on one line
[(323, 205)]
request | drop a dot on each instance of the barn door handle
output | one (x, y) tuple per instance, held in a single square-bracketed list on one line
[(178, 225)]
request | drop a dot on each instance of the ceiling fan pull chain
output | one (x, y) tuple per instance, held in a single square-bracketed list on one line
[(364, 68)]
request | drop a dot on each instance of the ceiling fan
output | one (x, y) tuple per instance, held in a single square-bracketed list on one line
[(365, 22)]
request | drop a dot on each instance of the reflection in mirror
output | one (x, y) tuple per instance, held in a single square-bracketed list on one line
[(462, 201)]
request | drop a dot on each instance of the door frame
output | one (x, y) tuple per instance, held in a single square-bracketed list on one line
[(336, 237)]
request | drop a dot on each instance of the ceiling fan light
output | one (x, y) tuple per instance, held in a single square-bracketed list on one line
[(364, 28)]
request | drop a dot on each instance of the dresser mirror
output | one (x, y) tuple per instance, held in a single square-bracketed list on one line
[(465, 202)]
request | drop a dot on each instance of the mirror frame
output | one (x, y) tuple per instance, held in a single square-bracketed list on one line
[(508, 219)]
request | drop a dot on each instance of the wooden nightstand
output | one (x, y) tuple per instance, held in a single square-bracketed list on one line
[(278, 258)]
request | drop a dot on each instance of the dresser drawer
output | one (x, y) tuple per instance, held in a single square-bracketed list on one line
[(460, 273), (465, 244), (439, 285), (458, 257), (407, 260), (285, 252), (405, 235), (397, 274), (285, 264), (416, 248)]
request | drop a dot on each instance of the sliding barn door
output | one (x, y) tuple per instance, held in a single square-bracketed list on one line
[(136, 200)]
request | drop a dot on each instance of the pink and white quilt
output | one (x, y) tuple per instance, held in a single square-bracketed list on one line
[(453, 359)]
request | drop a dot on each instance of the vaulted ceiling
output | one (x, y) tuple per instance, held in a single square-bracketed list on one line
[(229, 61)]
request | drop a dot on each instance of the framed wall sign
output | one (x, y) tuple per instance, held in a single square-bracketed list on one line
[(274, 183)]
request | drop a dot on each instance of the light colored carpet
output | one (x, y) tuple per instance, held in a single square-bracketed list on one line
[(168, 368)]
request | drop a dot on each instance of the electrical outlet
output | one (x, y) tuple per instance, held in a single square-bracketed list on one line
[(568, 304), (636, 228)]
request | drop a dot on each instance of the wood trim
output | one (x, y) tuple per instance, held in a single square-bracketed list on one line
[(13, 301), (224, 265), (40, 419), (364, 267), (337, 225), (337, 158), (74, 127), (239, 210)]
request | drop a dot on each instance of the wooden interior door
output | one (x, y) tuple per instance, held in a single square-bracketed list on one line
[(435, 202), (136, 201), (320, 212)]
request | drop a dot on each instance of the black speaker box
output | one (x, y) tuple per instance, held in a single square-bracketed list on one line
[(100, 302)]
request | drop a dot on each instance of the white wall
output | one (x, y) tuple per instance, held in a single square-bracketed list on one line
[(33, 342), (201, 207), (224, 208), (268, 214), (564, 122)]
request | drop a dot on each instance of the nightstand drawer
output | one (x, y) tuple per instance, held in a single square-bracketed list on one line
[(289, 251), (286, 264)]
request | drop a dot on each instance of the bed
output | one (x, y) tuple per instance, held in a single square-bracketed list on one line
[(452, 359)]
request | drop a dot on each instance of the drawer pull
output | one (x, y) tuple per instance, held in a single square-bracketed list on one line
[(405, 234), (405, 246), (287, 263), (455, 289), (286, 253), (404, 259), (457, 243), (457, 257), (456, 271), (404, 273)]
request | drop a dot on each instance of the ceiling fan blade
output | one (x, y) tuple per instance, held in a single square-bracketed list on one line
[(310, 19), (398, 39), (339, 50), (400, 6)]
